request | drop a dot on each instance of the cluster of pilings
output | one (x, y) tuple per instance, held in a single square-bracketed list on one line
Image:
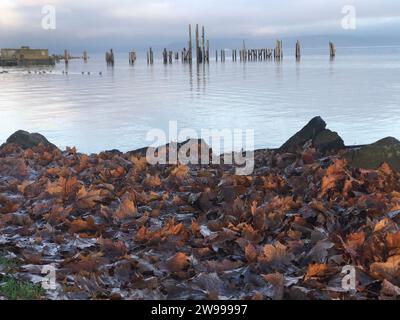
[(202, 49), (67, 57), (110, 57), (255, 54), (167, 56), (203, 52), (222, 55)]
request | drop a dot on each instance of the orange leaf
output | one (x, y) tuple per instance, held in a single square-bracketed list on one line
[(62, 187), (250, 253), (126, 209), (316, 271), (393, 240), (87, 199), (140, 163), (180, 171), (80, 225), (274, 252), (355, 240), (333, 174), (178, 262), (195, 227), (389, 270), (141, 235)]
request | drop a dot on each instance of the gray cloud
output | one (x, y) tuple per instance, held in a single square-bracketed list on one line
[(101, 23)]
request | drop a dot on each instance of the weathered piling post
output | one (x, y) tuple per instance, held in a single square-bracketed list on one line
[(216, 55), (170, 53), (110, 57), (332, 50), (85, 56), (197, 44), (165, 57), (184, 57), (278, 50), (132, 57), (150, 56), (66, 56), (190, 45), (208, 51), (203, 42), (298, 50)]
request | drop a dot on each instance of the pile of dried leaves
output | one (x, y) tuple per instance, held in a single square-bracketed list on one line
[(116, 227)]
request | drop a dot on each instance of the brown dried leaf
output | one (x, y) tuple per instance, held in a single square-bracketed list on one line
[(316, 271), (178, 262), (87, 199)]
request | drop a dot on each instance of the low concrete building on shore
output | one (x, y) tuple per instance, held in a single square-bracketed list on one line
[(25, 56)]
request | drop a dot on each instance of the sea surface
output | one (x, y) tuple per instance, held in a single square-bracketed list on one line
[(358, 95)]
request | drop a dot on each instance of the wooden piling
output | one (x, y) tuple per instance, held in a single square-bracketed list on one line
[(203, 42), (208, 51), (197, 44), (132, 57), (332, 50), (150, 56), (165, 56), (110, 57), (190, 53), (66, 56), (85, 56), (278, 50), (298, 50)]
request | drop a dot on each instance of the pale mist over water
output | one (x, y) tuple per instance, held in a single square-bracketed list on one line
[(358, 94)]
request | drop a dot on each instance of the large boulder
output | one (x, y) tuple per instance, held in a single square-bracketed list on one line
[(373, 156), (28, 140), (328, 140), (316, 133)]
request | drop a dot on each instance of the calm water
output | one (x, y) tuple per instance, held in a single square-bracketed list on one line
[(358, 95)]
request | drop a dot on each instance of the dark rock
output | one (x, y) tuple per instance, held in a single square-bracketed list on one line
[(374, 155), (186, 145), (28, 140), (309, 132), (328, 140)]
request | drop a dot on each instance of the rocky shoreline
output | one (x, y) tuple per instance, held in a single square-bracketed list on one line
[(115, 227), (314, 134)]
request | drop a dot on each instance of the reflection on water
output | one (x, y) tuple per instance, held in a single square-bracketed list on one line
[(358, 94)]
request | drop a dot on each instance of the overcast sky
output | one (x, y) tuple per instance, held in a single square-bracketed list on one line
[(99, 24)]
